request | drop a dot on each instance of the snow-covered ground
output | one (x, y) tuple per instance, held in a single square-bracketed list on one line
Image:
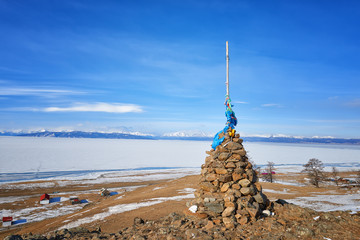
[(41, 212), (325, 203), (104, 177)]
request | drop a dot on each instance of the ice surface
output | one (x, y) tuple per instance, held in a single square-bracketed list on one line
[(39, 156), (28, 154), (282, 153), (290, 183)]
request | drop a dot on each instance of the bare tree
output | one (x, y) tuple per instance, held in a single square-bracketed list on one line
[(268, 174), (315, 171), (335, 174), (358, 176)]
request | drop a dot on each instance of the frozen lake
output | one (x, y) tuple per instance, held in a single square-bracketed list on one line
[(43, 155)]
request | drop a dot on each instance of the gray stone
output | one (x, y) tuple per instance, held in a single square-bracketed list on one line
[(206, 186), (242, 164), (13, 237), (230, 165), (223, 156), (138, 221), (78, 230), (234, 146), (251, 175), (244, 182), (304, 232), (215, 207), (209, 199), (253, 190), (225, 178), (192, 233), (260, 197), (243, 202), (245, 191)]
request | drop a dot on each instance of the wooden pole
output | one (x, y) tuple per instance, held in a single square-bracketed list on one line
[(227, 69)]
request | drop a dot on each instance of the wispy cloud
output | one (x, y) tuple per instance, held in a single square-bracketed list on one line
[(97, 107), (354, 103), (333, 98), (342, 121), (14, 70), (240, 102), (35, 92), (272, 105)]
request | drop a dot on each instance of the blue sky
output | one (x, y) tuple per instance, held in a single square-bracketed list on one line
[(159, 66)]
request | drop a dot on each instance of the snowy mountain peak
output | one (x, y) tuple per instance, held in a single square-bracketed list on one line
[(185, 134)]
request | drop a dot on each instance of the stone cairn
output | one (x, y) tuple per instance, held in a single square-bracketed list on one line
[(229, 192)]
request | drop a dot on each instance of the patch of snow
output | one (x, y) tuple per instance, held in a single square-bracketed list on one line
[(187, 190), (175, 198), (39, 213), (27, 185), (14, 198), (327, 203), (193, 208), (277, 192), (112, 210), (289, 183), (124, 208)]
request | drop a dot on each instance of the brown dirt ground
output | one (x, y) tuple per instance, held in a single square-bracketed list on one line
[(152, 189)]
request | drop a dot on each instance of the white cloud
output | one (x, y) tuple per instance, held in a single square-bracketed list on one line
[(34, 91), (240, 102), (97, 107), (271, 105)]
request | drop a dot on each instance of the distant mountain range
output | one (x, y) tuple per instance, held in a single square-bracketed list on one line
[(194, 136), (80, 134)]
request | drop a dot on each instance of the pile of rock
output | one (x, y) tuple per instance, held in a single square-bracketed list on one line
[(229, 192)]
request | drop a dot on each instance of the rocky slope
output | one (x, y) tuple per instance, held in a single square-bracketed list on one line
[(289, 222)]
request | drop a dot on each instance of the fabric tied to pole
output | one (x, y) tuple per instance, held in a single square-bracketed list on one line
[(231, 123)]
